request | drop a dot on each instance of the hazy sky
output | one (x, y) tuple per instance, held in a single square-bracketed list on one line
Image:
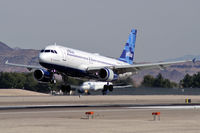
[(166, 28)]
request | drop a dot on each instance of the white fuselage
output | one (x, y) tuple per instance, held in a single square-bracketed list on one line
[(73, 61)]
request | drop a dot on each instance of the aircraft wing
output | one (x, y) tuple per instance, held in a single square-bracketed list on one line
[(138, 67), (29, 67), (125, 86)]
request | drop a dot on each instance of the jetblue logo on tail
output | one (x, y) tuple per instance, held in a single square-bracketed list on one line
[(128, 52)]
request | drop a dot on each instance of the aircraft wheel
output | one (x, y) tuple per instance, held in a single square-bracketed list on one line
[(68, 88), (65, 89), (53, 81), (105, 89), (110, 87)]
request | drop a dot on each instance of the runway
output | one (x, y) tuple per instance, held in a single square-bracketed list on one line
[(130, 106), (111, 115)]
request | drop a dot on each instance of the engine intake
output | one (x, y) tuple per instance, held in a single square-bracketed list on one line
[(106, 74), (43, 75)]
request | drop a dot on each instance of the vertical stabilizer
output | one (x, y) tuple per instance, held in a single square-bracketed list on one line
[(129, 49)]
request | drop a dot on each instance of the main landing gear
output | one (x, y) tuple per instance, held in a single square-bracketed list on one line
[(107, 88), (53, 80), (66, 88)]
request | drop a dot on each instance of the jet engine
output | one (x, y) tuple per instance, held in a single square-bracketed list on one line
[(43, 75), (106, 74)]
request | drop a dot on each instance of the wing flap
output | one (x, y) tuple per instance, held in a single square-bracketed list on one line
[(137, 67)]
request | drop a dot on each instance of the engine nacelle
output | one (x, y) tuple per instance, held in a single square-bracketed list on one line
[(106, 74), (43, 75)]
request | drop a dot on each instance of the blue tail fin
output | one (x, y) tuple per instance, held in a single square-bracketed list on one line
[(128, 52)]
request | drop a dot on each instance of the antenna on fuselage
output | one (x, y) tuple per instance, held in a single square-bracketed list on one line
[(55, 43)]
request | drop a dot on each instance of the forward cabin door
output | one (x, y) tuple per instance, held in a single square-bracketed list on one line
[(63, 54)]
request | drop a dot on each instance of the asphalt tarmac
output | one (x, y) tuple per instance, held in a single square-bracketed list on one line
[(117, 114)]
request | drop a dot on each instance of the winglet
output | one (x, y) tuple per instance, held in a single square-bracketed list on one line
[(6, 62)]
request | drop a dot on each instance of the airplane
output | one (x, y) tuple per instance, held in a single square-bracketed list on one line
[(89, 86), (68, 62)]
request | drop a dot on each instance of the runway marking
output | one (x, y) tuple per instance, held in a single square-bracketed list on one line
[(17, 109), (66, 111), (167, 107), (124, 109)]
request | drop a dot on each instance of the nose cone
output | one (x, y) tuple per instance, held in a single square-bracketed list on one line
[(43, 58)]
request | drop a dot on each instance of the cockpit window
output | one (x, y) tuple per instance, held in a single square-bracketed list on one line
[(47, 51)]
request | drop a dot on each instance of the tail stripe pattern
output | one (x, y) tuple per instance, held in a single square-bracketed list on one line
[(128, 52)]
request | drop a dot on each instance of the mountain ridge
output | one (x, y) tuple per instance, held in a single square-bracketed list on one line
[(4, 47), (21, 56)]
